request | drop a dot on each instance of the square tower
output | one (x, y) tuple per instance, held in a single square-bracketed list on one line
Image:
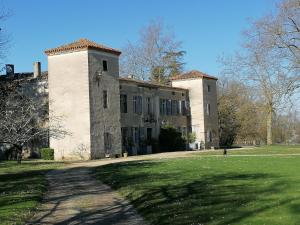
[(203, 105), (84, 93)]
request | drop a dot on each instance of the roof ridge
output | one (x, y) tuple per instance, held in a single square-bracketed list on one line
[(81, 44), (193, 74)]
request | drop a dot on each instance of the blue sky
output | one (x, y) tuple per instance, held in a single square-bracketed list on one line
[(207, 29)]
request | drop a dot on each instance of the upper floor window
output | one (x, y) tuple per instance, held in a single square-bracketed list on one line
[(183, 107), (169, 108), (123, 103), (162, 106), (105, 99), (104, 64), (137, 104), (175, 107), (208, 109), (208, 88)]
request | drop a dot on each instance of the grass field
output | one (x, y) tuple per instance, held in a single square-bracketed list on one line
[(208, 189), (21, 189), (275, 149)]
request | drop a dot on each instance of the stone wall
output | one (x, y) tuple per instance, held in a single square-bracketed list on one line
[(104, 120), (69, 98), (202, 123), (211, 120), (155, 120)]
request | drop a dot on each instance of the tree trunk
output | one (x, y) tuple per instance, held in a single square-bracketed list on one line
[(269, 127), (19, 153)]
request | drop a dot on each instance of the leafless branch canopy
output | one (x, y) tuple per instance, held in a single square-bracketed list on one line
[(157, 55)]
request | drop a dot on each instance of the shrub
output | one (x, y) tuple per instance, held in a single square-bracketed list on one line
[(191, 137), (171, 140), (47, 153)]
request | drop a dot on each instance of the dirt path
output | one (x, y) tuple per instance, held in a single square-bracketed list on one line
[(75, 197)]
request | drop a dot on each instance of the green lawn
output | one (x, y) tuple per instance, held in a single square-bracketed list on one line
[(275, 149), (207, 189), (21, 189)]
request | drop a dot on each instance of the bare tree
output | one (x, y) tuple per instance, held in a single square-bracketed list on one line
[(24, 117), (263, 64), (281, 32), (156, 56)]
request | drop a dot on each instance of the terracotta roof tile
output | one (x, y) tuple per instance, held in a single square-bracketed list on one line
[(194, 74), (81, 44)]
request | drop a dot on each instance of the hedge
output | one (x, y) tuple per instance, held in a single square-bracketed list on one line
[(47, 153)]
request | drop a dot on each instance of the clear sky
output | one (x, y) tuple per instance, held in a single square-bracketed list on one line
[(207, 28)]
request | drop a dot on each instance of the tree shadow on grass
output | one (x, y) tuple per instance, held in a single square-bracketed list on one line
[(168, 198), (20, 191)]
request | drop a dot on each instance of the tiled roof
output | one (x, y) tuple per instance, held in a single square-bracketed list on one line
[(82, 44), (149, 83), (194, 74), (23, 76)]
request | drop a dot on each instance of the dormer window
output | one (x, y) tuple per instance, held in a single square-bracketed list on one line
[(104, 64)]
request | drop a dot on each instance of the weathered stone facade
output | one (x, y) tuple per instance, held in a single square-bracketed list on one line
[(203, 106), (103, 113)]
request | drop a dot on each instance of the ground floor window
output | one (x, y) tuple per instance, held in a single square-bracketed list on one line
[(149, 134), (107, 142), (209, 136)]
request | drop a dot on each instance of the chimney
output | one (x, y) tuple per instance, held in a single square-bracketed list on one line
[(36, 69), (10, 70)]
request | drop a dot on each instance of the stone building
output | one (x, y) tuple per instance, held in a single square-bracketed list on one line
[(35, 86), (106, 115)]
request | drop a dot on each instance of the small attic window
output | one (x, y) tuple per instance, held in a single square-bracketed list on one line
[(104, 63)]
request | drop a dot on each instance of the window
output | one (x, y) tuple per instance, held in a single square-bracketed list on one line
[(208, 109), (104, 64), (105, 100), (124, 131), (169, 109), (137, 104), (123, 103), (136, 135), (107, 142), (162, 106), (183, 107), (208, 88), (175, 107), (148, 105), (149, 134), (209, 136)]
